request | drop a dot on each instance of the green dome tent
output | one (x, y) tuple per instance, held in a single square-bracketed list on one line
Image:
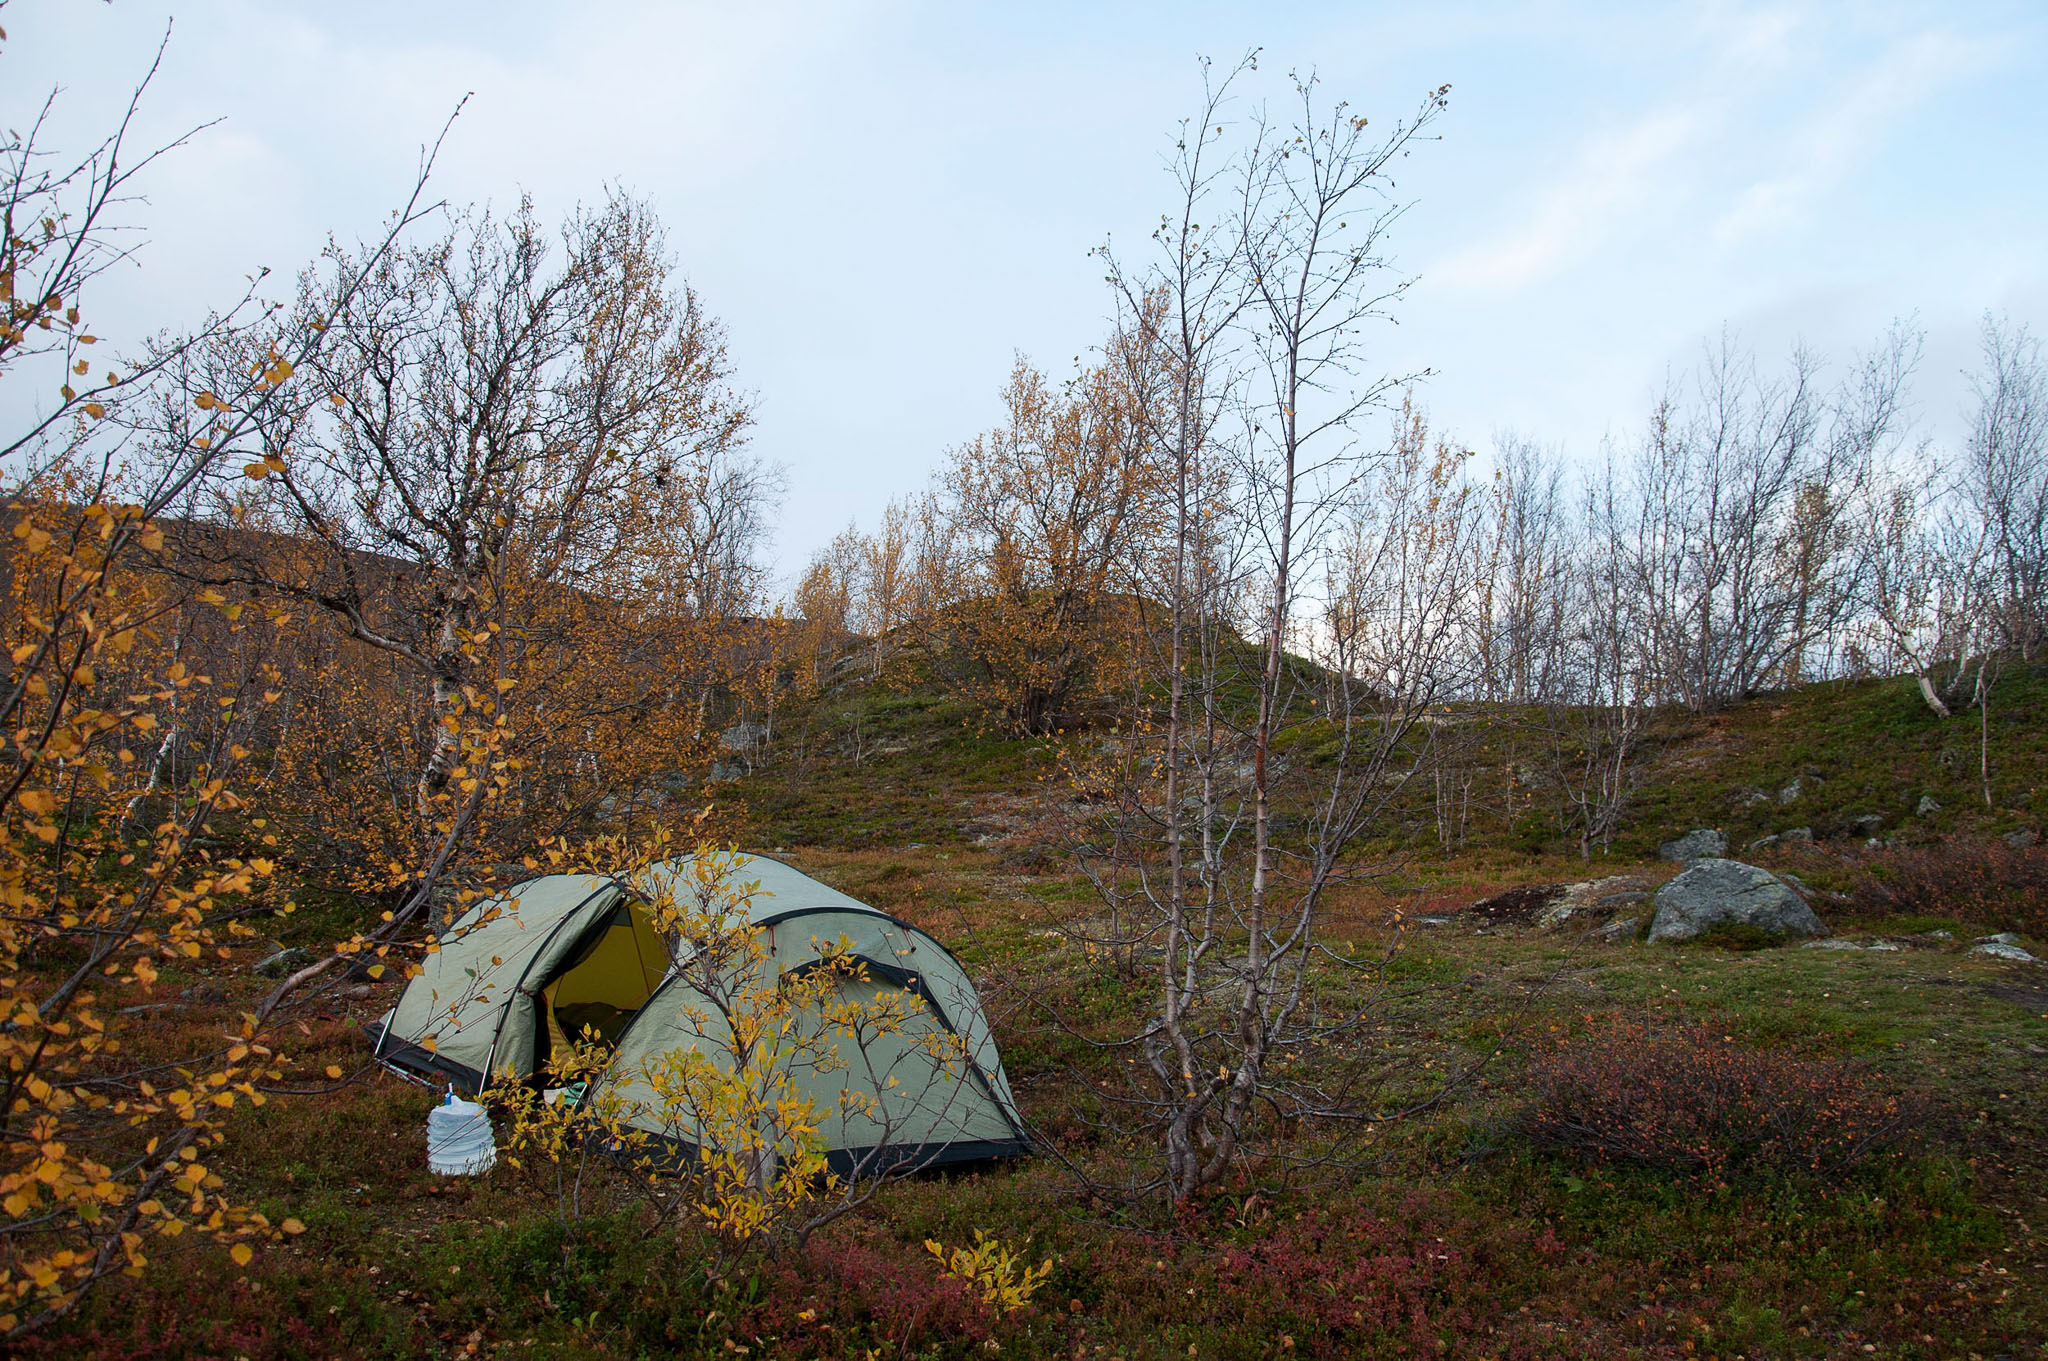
[(561, 955)]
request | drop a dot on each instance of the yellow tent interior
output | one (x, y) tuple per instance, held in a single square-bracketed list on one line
[(613, 980)]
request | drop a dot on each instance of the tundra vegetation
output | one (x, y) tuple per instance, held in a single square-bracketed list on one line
[(1232, 723)]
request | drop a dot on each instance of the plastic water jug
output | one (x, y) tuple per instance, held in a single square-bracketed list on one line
[(459, 1142)]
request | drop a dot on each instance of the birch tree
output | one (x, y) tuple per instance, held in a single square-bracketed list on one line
[(107, 1121), (1743, 488), (1287, 608), (2003, 482), (513, 444), (1048, 509), (1598, 708), (1525, 585)]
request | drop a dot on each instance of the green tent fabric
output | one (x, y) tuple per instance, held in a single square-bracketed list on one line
[(472, 1009), (519, 973), (930, 1113)]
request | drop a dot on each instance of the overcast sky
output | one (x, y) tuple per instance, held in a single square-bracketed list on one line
[(887, 202)]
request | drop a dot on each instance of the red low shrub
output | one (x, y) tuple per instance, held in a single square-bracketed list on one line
[(1688, 1099), (2001, 886), (1368, 1284), (877, 1290)]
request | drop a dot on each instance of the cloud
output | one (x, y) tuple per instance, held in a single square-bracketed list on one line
[(1614, 176), (1777, 111), (1848, 128), (1751, 37)]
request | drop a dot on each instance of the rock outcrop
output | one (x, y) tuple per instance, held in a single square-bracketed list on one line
[(1593, 897)]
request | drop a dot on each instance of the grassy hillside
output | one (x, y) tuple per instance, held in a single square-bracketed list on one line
[(1455, 1233), (868, 763), (1858, 748)]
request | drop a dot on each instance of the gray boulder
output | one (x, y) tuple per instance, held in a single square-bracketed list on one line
[(2000, 950), (2023, 838), (1696, 844), (1717, 892), (1927, 807)]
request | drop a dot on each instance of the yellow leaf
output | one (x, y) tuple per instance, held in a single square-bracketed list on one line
[(206, 401), (334, 1070), (95, 410), (256, 472), (292, 1226), (241, 1253)]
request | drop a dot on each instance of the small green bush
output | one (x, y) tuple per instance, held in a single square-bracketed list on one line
[(1740, 937)]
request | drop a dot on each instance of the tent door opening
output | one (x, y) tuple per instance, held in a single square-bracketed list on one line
[(604, 984)]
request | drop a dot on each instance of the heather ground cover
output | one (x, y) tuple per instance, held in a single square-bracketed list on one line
[(1470, 1230), (1731, 1148)]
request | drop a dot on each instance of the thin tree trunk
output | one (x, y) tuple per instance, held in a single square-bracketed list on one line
[(163, 767), (448, 660), (1931, 695)]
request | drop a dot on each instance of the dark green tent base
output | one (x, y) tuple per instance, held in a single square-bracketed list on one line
[(899, 1158), (416, 1061), (672, 1154)]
